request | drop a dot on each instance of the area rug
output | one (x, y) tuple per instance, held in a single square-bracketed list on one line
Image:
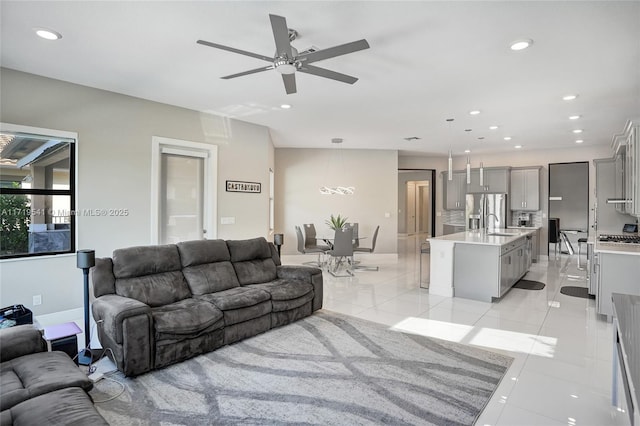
[(575, 291), (529, 285), (327, 369)]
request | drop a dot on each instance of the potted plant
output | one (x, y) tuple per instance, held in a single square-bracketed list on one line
[(336, 222)]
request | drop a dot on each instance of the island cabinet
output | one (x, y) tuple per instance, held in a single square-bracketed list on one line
[(493, 180), (483, 272), (455, 190), (525, 189)]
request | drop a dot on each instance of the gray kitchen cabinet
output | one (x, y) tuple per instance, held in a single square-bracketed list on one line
[(455, 190), (525, 189), (483, 272), (617, 273), (627, 155), (494, 180)]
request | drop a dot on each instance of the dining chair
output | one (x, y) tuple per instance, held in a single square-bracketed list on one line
[(368, 250), (310, 238), (304, 250), (356, 239), (342, 252)]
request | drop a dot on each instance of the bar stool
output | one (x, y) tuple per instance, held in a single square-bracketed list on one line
[(580, 242)]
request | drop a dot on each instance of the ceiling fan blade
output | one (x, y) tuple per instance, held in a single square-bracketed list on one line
[(289, 81), (332, 52), (281, 35), (323, 72), (240, 74), (234, 50)]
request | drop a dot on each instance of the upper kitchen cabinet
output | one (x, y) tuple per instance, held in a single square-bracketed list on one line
[(494, 180), (454, 190), (627, 154), (525, 189)]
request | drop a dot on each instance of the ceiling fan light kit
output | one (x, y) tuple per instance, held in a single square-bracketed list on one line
[(287, 60)]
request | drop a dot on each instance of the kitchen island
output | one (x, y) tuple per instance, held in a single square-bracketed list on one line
[(480, 265)]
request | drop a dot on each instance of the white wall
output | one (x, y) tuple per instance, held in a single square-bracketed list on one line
[(114, 160), (299, 174)]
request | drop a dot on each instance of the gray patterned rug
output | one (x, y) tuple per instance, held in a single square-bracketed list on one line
[(327, 369)]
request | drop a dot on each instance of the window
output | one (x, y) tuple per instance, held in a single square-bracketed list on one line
[(37, 192)]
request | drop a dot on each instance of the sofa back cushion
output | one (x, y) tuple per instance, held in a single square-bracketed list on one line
[(252, 260), (150, 274), (102, 277), (207, 266)]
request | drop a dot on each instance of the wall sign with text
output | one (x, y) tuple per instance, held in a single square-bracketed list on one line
[(240, 186)]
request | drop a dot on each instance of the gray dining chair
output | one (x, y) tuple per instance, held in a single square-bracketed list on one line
[(368, 250), (356, 239), (311, 239), (304, 250), (342, 252)]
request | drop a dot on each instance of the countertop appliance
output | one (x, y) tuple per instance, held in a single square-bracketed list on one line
[(490, 208)]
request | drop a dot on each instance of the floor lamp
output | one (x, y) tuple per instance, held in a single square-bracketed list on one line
[(86, 259)]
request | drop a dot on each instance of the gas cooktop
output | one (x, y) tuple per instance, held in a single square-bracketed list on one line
[(620, 238)]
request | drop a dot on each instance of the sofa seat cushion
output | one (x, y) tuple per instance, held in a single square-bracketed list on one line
[(186, 319), (287, 294), (240, 304), (36, 374), (71, 406)]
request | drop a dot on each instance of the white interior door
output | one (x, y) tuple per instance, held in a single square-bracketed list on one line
[(411, 208), (181, 198), (184, 178), (423, 211)]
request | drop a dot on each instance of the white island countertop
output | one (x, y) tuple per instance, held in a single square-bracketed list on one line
[(498, 237)]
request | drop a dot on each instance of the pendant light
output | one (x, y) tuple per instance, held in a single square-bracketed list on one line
[(338, 160), (468, 171), (481, 174), (450, 161)]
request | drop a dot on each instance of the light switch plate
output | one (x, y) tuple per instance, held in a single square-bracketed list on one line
[(227, 220)]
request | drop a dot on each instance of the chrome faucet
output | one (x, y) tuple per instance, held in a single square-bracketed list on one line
[(495, 222)]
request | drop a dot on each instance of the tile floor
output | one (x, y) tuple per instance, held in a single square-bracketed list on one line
[(561, 374)]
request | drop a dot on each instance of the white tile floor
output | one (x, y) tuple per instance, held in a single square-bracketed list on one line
[(561, 374)]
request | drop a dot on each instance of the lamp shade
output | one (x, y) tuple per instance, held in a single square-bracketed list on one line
[(278, 239), (86, 258)]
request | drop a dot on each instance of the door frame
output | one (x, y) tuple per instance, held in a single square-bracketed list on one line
[(432, 192), (209, 153)]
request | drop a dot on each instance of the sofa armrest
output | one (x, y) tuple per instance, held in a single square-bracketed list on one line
[(20, 340), (126, 327), (112, 310), (308, 274)]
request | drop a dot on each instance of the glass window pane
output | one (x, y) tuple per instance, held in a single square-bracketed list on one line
[(34, 161), (34, 224)]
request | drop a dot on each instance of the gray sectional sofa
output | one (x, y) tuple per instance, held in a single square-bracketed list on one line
[(158, 305), (39, 387)]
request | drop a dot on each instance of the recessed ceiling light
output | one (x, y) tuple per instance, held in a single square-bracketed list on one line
[(285, 106), (48, 34), (518, 146), (569, 97), (579, 141), (493, 127), (507, 138), (574, 117), (474, 112), (577, 131), (466, 151), (521, 44)]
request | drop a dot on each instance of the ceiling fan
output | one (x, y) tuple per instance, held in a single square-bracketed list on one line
[(287, 60)]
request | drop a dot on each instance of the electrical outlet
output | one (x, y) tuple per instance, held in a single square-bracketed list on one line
[(37, 300)]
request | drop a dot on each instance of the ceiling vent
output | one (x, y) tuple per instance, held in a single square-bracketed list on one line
[(412, 138)]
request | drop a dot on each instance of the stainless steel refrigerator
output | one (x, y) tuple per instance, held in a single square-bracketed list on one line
[(486, 211)]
